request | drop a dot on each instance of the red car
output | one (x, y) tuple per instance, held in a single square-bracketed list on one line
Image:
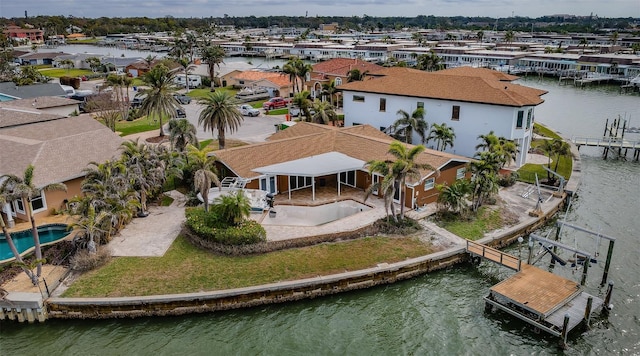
[(275, 103)]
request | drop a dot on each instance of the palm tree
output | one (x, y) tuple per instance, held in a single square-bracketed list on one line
[(548, 148), (412, 123), (485, 181), (453, 197), (406, 167), (92, 225), (12, 246), (489, 140), (181, 133), (302, 71), (387, 185), (429, 62), (509, 36), (23, 188), (212, 56), (301, 100), (480, 36), (330, 90), (187, 67), (324, 112), (232, 208), (614, 38), (583, 42), (220, 113), (205, 171), (159, 101), (290, 70), (560, 148), (443, 135)]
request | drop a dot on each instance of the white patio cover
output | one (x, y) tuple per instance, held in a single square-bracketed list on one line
[(314, 166)]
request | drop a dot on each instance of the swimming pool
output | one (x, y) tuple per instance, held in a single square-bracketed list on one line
[(24, 241), (314, 215)]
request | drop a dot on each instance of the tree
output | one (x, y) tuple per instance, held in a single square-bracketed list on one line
[(411, 123), (485, 172), (583, 42), (480, 36), (614, 38), (560, 148), (355, 75), (301, 100), (232, 208), (429, 62), (289, 69), (187, 68), (220, 113), (12, 246), (24, 189), (67, 64), (92, 225), (205, 171), (330, 90), (29, 75), (453, 197), (212, 56), (181, 134), (324, 112), (509, 36), (386, 185), (159, 101), (443, 135), (94, 63)]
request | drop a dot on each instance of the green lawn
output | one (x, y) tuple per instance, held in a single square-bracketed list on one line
[(279, 111), (202, 92), (544, 131), (62, 72), (185, 268), (485, 220), (136, 126)]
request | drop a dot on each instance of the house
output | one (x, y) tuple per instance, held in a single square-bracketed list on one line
[(49, 104), (277, 83), (58, 147), (39, 58), (309, 156), (20, 34), (337, 70), (473, 101), (11, 91)]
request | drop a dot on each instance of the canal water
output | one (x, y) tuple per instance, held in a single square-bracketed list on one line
[(437, 314)]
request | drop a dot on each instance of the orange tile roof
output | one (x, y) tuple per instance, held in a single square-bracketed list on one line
[(468, 84), (258, 75), (306, 139), (341, 66)]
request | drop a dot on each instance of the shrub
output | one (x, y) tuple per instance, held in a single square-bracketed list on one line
[(508, 179), (402, 227), (210, 227), (206, 82), (84, 261)]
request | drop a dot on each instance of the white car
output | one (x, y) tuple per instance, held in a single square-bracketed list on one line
[(248, 110)]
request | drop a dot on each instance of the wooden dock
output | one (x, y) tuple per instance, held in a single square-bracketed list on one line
[(493, 255), (544, 300), (621, 145)]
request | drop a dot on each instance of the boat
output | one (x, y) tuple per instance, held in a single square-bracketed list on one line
[(247, 94)]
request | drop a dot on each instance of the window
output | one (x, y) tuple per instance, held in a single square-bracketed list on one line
[(429, 183), (460, 173), (18, 205), (519, 121), (529, 114), (37, 203), (383, 104), (348, 178), (455, 113), (299, 182), (420, 104), (358, 98), (338, 81)]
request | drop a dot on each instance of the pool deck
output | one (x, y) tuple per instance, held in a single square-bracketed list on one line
[(46, 220)]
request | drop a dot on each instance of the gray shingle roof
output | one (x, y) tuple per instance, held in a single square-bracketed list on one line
[(31, 91)]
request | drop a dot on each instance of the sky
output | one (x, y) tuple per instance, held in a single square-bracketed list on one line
[(241, 8)]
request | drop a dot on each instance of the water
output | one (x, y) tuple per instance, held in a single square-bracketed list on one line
[(436, 314), (24, 240)]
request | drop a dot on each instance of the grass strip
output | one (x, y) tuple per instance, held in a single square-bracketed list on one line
[(185, 268)]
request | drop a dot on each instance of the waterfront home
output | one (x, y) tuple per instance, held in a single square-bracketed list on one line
[(337, 70), (39, 58), (276, 83), (58, 147), (473, 101), (24, 34), (306, 157)]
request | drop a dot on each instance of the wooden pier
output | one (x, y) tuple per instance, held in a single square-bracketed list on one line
[(543, 299), (493, 255), (613, 139)]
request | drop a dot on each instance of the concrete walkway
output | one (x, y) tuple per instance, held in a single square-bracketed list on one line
[(154, 234)]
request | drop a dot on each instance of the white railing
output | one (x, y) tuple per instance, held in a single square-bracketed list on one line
[(606, 142)]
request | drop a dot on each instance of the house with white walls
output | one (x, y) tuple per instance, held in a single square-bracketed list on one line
[(473, 101)]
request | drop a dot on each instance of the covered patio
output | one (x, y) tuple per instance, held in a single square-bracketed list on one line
[(323, 176)]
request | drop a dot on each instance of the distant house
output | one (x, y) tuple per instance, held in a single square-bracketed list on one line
[(20, 34), (277, 83), (306, 156), (79, 60), (337, 69), (39, 58), (58, 147), (11, 91), (473, 101)]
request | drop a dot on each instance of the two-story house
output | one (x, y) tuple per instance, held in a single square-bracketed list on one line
[(473, 101)]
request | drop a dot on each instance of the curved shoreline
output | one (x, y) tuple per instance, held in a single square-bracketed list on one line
[(201, 302)]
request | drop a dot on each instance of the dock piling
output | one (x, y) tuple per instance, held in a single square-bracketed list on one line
[(565, 331), (587, 312)]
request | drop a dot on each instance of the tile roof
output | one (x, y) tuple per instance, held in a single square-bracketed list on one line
[(477, 85), (341, 66), (258, 75), (306, 139), (58, 148)]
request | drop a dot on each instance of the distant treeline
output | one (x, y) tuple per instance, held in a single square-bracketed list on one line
[(105, 25)]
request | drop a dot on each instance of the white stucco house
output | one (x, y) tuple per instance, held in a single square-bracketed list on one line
[(473, 101)]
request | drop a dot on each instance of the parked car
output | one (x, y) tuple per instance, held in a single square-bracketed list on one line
[(248, 110), (182, 99), (295, 111), (275, 103), (180, 113)]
